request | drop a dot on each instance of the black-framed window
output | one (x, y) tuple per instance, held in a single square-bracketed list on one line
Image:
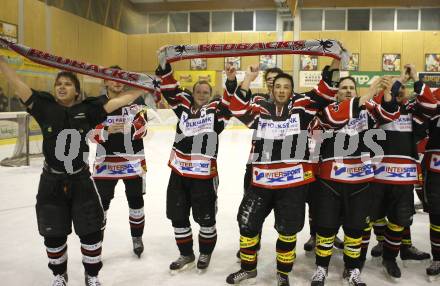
[(407, 19), (221, 21), (158, 23), (383, 19), (266, 20), (133, 22), (358, 19), (178, 22), (311, 20), (199, 22), (244, 21), (334, 19), (430, 19)]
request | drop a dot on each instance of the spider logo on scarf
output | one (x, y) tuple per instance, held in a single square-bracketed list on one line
[(180, 50), (326, 45)]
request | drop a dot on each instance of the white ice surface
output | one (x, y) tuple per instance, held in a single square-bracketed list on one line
[(23, 258)]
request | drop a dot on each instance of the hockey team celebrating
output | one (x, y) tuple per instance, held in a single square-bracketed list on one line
[(356, 160)]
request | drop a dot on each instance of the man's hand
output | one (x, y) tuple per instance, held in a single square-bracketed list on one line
[(117, 128), (252, 72), (231, 72), (372, 90), (387, 84)]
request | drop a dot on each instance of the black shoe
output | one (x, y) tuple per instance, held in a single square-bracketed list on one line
[(318, 278), (310, 244), (391, 269), (353, 277), (412, 253), (282, 279), (241, 275), (339, 244), (60, 280), (203, 261), (138, 246), (433, 271), (183, 263), (377, 250)]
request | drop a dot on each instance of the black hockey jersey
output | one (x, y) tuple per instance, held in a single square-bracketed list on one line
[(119, 155), (195, 148), (280, 153)]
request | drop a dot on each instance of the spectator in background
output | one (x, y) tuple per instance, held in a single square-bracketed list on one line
[(4, 102)]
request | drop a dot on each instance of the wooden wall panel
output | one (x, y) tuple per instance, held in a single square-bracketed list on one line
[(64, 32), (371, 51), (35, 33), (134, 52), (90, 48), (287, 59), (9, 11), (216, 63), (412, 45), (249, 37)]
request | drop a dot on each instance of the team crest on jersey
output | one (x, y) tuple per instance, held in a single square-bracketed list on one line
[(396, 172), (281, 177), (352, 172)]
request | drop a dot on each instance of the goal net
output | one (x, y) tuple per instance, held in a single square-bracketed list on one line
[(20, 139)]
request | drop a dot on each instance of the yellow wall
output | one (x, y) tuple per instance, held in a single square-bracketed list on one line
[(70, 36), (412, 46), (9, 11)]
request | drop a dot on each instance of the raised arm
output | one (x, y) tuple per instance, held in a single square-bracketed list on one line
[(22, 90), (383, 107), (125, 98), (239, 99)]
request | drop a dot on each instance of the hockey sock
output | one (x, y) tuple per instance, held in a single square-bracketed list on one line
[(248, 252), (406, 237), (56, 248), (207, 239), (393, 239), (183, 235), (325, 239), (91, 248), (136, 216), (365, 241), (352, 248), (286, 253), (379, 229), (434, 234)]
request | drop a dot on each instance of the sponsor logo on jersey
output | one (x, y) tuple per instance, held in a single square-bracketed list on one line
[(118, 170), (279, 177), (435, 162), (402, 124), (352, 172), (192, 167), (278, 130), (356, 125), (115, 119), (194, 126), (393, 172)]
